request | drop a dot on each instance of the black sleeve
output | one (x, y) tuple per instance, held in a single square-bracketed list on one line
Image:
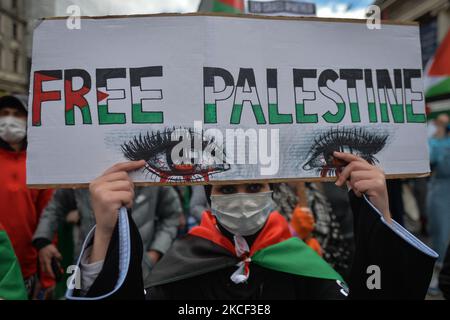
[(405, 270), (444, 276), (40, 243), (132, 287), (159, 293), (323, 289)]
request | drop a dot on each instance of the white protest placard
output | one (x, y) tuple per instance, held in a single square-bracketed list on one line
[(208, 98)]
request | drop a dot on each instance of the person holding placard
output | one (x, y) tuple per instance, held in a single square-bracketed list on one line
[(243, 249)]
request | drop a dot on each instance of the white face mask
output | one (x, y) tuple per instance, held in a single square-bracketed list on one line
[(242, 213), (12, 129)]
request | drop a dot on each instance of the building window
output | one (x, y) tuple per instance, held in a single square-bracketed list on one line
[(14, 4), (15, 31), (16, 62)]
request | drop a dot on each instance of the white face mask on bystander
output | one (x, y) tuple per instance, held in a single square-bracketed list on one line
[(12, 129), (242, 213)]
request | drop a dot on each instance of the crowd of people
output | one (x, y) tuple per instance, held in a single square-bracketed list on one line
[(45, 231)]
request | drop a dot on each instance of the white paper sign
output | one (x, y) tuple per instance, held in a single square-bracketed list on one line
[(217, 98)]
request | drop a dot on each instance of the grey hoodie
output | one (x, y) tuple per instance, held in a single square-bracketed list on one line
[(156, 212)]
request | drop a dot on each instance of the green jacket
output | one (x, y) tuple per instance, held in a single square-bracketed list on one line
[(12, 286)]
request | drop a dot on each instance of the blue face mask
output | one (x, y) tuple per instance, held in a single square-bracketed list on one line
[(242, 213)]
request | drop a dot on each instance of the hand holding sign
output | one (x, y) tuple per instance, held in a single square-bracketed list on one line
[(109, 192), (364, 178)]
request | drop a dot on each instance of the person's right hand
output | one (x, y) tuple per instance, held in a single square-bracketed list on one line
[(109, 192), (45, 258)]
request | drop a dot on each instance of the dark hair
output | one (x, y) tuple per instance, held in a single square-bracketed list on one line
[(11, 102)]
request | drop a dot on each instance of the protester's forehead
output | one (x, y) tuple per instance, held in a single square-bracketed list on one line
[(11, 108), (11, 102)]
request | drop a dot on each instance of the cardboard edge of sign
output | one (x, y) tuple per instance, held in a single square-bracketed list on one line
[(179, 183), (247, 16)]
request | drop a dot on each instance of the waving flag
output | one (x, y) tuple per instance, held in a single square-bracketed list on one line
[(228, 6), (231, 6), (437, 80), (11, 282)]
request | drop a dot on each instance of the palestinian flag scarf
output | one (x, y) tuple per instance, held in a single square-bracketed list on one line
[(206, 249)]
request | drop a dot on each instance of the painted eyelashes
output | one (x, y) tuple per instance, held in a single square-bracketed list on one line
[(156, 149), (358, 141)]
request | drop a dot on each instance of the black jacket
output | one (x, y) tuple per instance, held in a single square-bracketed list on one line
[(405, 270), (444, 276)]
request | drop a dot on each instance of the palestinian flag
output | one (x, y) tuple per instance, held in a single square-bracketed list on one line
[(437, 80), (12, 286), (231, 6), (228, 6), (206, 249)]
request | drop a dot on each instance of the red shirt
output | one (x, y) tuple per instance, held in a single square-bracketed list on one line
[(20, 208)]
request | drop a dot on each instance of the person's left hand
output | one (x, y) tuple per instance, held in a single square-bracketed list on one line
[(364, 178)]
